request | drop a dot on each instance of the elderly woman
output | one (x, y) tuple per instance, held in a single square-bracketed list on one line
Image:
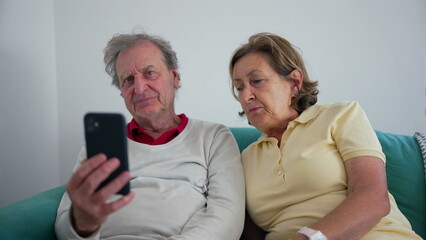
[(318, 171)]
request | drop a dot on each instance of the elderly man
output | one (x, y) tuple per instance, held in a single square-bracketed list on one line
[(185, 174)]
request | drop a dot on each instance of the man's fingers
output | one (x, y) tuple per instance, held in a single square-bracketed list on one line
[(96, 177), (114, 186), (121, 202), (85, 169)]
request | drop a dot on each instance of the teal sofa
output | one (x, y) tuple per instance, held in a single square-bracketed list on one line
[(34, 217)]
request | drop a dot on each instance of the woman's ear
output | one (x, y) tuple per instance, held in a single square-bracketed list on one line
[(297, 76)]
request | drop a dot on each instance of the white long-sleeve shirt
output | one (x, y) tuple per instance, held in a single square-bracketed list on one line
[(190, 188)]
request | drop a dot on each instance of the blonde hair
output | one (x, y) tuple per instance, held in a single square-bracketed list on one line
[(283, 58)]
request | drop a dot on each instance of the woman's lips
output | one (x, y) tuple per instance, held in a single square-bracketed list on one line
[(254, 109)]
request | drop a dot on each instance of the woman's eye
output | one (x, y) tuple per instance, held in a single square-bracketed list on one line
[(257, 81), (239, 87)]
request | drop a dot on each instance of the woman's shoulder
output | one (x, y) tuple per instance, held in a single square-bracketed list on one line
[(321, 113), (341, 105), (330, 110)]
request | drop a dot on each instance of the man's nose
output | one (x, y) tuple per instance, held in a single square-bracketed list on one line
[(140, 84)]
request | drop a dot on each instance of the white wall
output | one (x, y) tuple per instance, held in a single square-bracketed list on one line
[(370, 51), (28, 100)]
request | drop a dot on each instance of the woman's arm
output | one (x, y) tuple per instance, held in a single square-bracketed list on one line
[(366, 204)]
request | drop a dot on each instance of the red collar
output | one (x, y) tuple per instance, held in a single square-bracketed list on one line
[(138, 134)]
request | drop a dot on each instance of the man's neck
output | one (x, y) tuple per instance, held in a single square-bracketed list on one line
[(155, 127)]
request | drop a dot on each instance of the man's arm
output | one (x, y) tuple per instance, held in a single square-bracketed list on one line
[(83, 210), (223, 217)]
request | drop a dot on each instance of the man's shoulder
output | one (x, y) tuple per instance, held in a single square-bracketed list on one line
[(200, 125)]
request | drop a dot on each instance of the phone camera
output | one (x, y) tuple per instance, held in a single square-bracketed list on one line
[(92, 124)]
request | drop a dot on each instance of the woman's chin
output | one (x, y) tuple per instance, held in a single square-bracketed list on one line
[(256, 122)]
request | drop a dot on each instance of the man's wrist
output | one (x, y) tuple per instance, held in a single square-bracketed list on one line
[(82, 232)]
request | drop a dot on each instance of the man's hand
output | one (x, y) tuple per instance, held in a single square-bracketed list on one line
[(89, 208)]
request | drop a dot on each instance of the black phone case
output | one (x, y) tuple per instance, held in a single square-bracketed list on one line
[(106, 133)]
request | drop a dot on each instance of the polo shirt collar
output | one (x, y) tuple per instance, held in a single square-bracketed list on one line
[(138, 134), (306, 116)]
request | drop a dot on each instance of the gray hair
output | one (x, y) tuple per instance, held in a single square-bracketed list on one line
[(121, 42)]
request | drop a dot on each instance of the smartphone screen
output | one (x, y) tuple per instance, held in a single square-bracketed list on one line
[(106, 133)]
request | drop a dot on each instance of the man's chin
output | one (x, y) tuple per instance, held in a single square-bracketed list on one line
[(147, 111)]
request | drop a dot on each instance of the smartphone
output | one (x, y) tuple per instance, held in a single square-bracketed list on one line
[(106, 133)]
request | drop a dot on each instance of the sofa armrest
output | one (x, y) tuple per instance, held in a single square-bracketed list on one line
[(406, 177), (31, 218)]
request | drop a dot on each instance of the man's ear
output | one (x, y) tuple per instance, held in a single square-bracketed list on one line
[(297, 76), (176, 79)]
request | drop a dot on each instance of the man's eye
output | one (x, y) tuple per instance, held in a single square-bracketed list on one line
[(151, 75), (239, 88), (128, 80)]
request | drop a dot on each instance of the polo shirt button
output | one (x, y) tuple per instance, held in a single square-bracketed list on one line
[(280, 172)]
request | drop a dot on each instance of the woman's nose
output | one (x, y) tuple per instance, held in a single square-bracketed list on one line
[(247, 95)]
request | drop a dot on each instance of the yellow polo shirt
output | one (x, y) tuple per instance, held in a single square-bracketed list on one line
[(298, 183)]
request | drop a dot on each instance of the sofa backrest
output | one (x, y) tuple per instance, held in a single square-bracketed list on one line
[(33, 218), (404, 169)]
